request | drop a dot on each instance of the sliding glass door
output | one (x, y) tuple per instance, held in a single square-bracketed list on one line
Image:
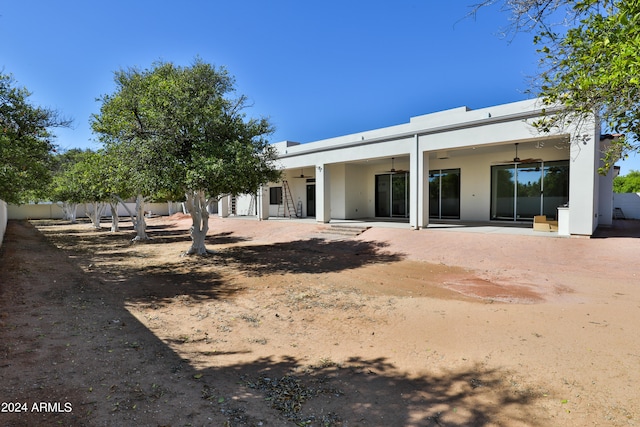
[(392, 195), (529, 191), (444, 194), (556, 187), (522, 191), (503, 190), (383, 195)]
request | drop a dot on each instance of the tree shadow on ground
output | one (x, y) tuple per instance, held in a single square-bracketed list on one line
[(76, 339), (121, 262), (157, 233), (300, 256), (369, 392), (305, 256), (157, 287), (113, 263)]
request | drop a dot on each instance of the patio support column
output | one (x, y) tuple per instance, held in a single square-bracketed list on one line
[(323, 194), (583, 181), (419, 195), (262, 203), (223, 207), (424, 189)]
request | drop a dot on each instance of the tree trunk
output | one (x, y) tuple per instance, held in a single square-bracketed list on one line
[(115, 220), (137, 219), (96, 214), (197, 205), (140, 224), (174, 207), (69, 211)]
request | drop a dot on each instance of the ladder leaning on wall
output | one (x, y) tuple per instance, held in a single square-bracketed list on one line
[(233, 206), (251, 210), (287, 208)]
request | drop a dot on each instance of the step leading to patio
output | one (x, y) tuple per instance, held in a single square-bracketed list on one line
[(345, 230)]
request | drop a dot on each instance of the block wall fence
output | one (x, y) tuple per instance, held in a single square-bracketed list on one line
[(3, 220), (629, 203)]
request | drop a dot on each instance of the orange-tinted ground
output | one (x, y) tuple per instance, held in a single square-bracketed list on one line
[(286, 325)]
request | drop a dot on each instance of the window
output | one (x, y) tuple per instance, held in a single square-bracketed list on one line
[(275, 195)]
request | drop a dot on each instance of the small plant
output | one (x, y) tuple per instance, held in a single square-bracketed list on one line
[(251, 319)]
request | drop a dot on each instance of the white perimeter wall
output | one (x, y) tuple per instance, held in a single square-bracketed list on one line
[(3, 220), (629, 203), (53, 211)]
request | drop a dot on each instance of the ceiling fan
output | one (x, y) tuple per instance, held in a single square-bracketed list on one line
[(302, 175), (517, 160), (393, 170)]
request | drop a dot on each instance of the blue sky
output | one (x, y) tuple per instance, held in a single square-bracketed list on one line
[(318, 69)]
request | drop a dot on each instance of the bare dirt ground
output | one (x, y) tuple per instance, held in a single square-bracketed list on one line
[(286, 326)]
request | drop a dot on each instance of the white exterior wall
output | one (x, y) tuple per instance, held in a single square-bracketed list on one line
[(273, 209), (475, 185), (475, 175), (297, 187), (605, 208), (356, 201), (584, 189), (246, 205), (345, 167), (337, 175)]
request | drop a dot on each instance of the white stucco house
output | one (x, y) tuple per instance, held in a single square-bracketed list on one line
[(459, 165)]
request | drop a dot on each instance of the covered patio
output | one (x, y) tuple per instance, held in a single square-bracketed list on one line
[(486, 227), (447, 169)]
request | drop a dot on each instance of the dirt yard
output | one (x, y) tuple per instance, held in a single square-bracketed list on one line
[(287, 326)]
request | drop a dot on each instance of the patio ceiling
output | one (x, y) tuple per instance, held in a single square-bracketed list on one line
[(499, 149), (504, 147)]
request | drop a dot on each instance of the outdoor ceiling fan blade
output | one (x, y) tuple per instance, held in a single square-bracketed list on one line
[(530, 160), (302, 175), (393, 169)]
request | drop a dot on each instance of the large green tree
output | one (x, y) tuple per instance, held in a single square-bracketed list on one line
[(81, 177), (183, 132), (629, 183), (590, 62), (26, 143), (94, 179), (66, 186), (92, 174)]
